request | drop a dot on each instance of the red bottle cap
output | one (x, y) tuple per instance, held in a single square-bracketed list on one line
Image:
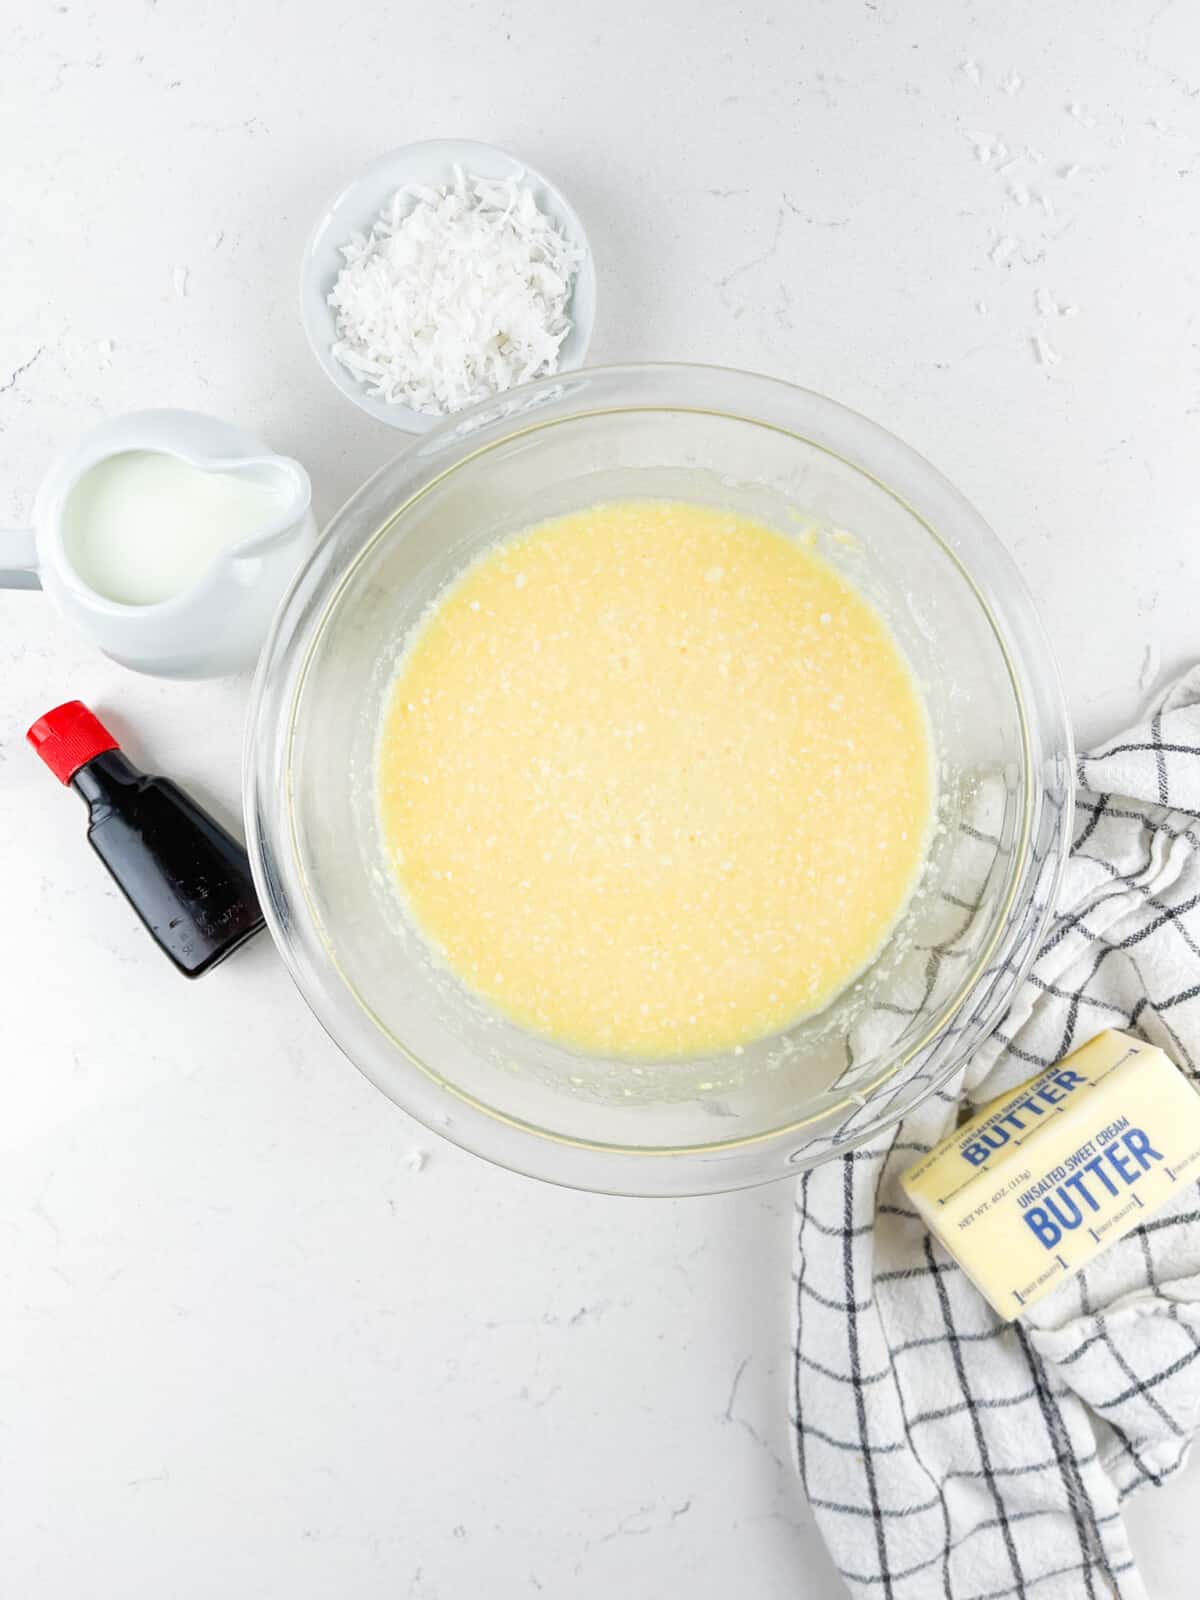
[(68, 737)]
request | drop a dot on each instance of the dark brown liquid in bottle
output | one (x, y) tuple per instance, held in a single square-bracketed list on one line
[(187, 878)]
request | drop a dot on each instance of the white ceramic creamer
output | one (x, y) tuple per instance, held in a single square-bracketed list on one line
[(168, 539)]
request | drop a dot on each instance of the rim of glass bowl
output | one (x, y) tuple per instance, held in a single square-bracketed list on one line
[(895, 468)]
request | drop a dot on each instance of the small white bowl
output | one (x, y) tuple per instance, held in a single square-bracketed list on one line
[(357, 206)]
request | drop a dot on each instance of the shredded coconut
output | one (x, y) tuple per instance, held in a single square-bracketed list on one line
[(982, 145), (1047, 306), (987, 146), (1151, 662), (457, 293)]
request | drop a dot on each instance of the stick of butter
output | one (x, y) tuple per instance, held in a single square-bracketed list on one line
[(1048, 1175)]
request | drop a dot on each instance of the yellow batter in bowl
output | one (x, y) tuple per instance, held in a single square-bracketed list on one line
[(654, 779)]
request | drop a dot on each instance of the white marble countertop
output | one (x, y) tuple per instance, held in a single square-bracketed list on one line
[(245, 1351)]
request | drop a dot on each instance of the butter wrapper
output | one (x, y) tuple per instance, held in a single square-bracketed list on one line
[(1045, 1177)]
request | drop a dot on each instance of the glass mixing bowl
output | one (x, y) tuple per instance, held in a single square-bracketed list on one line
[(903, 536)]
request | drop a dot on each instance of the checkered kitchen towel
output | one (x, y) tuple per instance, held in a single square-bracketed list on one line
[(946, 1453)]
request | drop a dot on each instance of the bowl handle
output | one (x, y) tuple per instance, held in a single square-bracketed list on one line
[(18, 559)]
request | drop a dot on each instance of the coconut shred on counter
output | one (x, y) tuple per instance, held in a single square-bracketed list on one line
[(654, 780), (457, 294)]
